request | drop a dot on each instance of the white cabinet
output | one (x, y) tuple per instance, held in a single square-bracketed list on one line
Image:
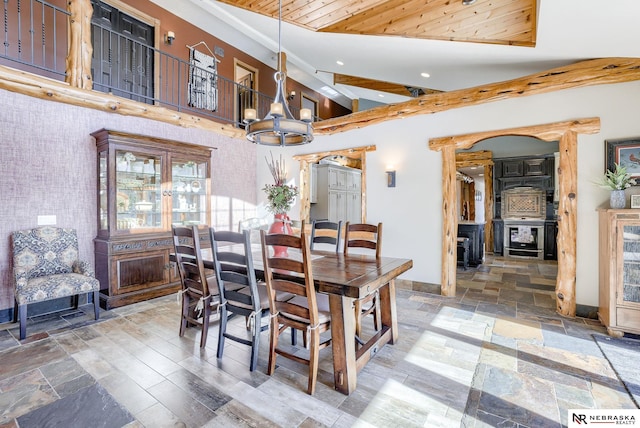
[(338, 194)]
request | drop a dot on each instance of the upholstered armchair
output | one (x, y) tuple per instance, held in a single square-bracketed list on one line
[(46, 267)]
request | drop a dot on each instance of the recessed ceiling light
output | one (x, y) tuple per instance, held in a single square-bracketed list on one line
[(339, 62), (425, 75), (381, 96), (468, 2)]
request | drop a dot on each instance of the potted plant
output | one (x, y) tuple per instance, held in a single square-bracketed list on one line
[(280, 198), (617, 180)]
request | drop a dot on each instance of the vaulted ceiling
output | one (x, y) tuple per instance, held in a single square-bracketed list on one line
[(506, 22)]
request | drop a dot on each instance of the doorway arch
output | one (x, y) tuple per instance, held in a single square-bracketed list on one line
[(564, 132)]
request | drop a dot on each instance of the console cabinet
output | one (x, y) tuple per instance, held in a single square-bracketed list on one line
[(338, 194), (145, 185), (619, 276)]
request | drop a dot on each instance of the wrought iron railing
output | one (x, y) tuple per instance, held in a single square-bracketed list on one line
[(36, 34)]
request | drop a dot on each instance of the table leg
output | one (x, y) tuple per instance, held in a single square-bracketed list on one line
[(343, 333), (388, 308)]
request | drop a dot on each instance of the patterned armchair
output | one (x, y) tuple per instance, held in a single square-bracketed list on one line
[(46, 267)]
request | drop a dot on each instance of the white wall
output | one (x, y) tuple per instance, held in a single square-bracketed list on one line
[(412, 211)]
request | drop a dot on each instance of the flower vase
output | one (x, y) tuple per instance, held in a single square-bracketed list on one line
[(617, 199), (281, 225)]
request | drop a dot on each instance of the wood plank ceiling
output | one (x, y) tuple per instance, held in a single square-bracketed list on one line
[(505, 22)]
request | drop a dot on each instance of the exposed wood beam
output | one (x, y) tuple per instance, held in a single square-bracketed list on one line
[(379, 85), (585, 73)]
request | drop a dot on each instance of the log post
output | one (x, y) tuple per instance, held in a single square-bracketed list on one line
[(449, 221), (305, 190), (567, 220), (80, 45)]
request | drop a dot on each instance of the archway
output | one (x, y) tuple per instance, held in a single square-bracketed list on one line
[(564, 132)]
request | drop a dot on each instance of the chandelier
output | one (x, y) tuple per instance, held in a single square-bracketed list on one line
[(279, 128)]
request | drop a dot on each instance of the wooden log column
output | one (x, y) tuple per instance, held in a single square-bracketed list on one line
[(449, 222), (80, 46), (567, 222)]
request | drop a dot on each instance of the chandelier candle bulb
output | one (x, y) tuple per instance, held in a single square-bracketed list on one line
[(305, 114), (250, 114), (276, 109)]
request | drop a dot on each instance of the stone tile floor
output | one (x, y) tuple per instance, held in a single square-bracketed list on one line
[(495, 355)]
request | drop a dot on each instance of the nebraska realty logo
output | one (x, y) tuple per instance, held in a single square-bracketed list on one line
[(603, 417)]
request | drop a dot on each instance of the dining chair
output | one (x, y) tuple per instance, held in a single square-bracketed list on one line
[(326, 232), (307, 311), (199, 293), (367, 236), (240, 293)]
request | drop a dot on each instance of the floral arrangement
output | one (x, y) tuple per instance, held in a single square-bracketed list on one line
[(279, 195), (619, 179)]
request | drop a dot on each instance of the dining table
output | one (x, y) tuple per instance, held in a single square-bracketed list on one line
[(345, 279)]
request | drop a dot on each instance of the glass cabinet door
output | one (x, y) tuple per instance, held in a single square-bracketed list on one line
[(189, 192), (138, 191), (631, 265), (103, 211)]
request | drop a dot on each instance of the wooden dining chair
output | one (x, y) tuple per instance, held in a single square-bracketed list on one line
[(368, 236), (199, 293), (326, 232), (307, 311), (240, 294)]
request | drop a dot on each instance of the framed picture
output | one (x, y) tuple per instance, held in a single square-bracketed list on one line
[(626, 152), (635, 201)]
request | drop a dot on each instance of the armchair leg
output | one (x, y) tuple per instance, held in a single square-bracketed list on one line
[(22, 315), (96, 304)]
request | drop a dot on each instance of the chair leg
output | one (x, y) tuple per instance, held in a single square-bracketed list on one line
[(314, 356), (377, 317), (206, 314), (222, 330), (358, 311), (255, 343), (274, 332), (22, 315), (185, 313), (96, 304), (294, 337)]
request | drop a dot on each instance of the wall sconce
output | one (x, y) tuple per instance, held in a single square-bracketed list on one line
[(169, 37), (391, 178), (291, 95)]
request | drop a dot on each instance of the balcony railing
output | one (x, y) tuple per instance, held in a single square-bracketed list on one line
[(35, 40)]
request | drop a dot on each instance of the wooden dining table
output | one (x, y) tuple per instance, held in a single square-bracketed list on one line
[(346, 279)]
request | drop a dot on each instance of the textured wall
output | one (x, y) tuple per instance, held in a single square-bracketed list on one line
[(48, 167)]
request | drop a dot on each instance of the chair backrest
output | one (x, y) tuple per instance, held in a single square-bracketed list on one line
[(362, 235), (326, 232), (233, 263), (298, 264), (186, 245), (45, 250)]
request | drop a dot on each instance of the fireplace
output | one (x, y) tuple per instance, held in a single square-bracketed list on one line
[(523, 213)]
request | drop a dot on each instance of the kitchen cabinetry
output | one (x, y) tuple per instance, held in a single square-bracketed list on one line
[(145, 185), (338, 194), (475, 233), (619, 273), (550, 240), (498, 237)]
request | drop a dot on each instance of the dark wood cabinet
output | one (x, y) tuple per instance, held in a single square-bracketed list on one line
[(512, 168), (475, 233), (550, 240), (145, 185), (536, 166)]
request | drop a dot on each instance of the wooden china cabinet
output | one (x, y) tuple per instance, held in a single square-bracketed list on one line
[(145, 185), (619, 296)]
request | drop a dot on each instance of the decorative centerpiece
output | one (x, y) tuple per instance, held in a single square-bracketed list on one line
[(280, 197), (617, 180)]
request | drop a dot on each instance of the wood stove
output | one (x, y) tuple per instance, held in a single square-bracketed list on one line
[(523, 213)]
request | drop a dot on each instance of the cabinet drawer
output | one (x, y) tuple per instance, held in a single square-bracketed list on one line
[(627, 318)]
